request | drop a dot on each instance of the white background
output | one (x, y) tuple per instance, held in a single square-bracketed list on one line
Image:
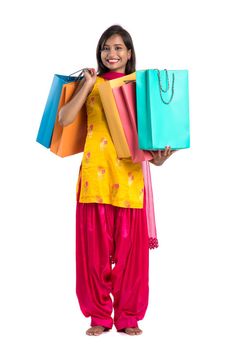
[(191, 273)]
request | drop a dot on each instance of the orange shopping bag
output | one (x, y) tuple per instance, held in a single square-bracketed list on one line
[(112, 114), (70, 139)]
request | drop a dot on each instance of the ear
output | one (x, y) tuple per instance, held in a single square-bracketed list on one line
[(129, 54)]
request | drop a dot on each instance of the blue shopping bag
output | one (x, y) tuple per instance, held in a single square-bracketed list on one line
[(162, 100), (46, 128)]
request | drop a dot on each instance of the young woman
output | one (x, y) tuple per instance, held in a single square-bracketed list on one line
[(111, 224)]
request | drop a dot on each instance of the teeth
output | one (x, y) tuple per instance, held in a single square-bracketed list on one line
[(112, 60)]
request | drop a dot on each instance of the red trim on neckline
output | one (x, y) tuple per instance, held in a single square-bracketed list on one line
[(112, 75)]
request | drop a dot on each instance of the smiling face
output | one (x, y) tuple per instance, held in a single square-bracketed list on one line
[(114, 54)]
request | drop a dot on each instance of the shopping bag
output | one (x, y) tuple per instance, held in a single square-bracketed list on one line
[(162, 109), (49, 115), (112, 114), (70, 139), (125, 99)]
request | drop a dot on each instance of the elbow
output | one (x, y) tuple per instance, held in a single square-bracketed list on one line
[(63, 119), (60, 118)]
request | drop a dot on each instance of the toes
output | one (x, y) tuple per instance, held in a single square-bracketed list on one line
[(97, 333), (96, 330), (94, 333), (133, 331)]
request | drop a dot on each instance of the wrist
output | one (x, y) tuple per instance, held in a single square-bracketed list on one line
[(157, 162), (88, 87)]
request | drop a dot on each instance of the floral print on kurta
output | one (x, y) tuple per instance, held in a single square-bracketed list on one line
[(104, 177)]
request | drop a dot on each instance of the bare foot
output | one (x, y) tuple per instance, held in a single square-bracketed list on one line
[(132, 331), (96, 330)]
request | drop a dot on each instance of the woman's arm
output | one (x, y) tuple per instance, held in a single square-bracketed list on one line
[(68, 112)]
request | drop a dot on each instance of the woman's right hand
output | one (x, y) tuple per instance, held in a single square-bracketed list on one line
[(90, 76)]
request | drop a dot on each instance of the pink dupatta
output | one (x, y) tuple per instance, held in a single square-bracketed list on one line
[(150, 214)]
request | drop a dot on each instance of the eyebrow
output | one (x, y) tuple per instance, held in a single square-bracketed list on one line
[(114, 45)]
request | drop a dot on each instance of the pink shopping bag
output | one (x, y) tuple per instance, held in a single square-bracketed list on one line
[(125, 98)]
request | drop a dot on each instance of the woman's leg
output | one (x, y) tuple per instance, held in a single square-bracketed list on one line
[(94, 242), (130, 274)]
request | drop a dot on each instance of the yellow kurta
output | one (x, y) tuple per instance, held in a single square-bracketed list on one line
[(104, 177)]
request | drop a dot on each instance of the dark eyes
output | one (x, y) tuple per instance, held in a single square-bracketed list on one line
[(105, 48)]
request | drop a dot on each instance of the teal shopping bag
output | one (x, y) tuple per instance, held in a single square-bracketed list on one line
[(162, 100), (46, 127)]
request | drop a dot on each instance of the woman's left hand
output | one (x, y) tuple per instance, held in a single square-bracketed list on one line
[(160, 156)]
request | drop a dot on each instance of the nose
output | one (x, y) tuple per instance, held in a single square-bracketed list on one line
[(112, 52)]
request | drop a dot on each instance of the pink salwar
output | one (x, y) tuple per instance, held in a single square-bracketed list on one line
[(107, 235)]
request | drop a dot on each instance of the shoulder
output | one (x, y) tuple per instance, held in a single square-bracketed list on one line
[(94, 92), (99, 79)]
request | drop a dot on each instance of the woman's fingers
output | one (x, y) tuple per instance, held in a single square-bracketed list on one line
[(92, 71), (166, 151), (169, 151), (89, 72)]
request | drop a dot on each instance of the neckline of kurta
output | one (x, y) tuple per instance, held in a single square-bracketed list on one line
[(112, 75)]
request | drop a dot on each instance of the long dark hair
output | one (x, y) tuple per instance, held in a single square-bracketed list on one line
[(116, 29)]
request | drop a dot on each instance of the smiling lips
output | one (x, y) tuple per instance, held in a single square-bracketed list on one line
[(112, 61)]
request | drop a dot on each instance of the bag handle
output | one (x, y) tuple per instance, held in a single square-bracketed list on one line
[(168, 85), (129, 81), (78, 79), (160, 85), (81, 75)]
